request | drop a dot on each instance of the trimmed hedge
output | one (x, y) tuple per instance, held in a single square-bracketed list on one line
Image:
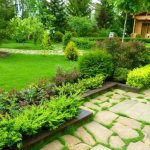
[(97, 62), (139, 77)]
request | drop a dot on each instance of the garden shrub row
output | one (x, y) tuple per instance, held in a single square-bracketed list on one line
[(84, 43), (139, 77), (37, 94), (33, 119), (82, 86)]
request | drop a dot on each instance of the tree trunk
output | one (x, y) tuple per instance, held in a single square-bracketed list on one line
[(125, 26)]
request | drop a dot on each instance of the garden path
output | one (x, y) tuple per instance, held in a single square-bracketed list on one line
[(121, 122), (36, 52)]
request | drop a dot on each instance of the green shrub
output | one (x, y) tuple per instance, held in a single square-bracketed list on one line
[(84, 43), (66, 39), (104, 32), (62, 76), (58, 37), (120, 74), (138, 36), (46, 41), (49, 115), (126, 55), (139, 77), (81, 86), (98, 62), (71, 52)]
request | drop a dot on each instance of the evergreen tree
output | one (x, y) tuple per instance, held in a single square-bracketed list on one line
[(79, 7), (104, 14), (7, 11), (57, 9)]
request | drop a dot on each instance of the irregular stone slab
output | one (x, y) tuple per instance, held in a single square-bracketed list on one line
[(105, 117), (100, 132), (102, 98), (105, 104), (124, 132), (86, 108), (146, 131), (140, 111), (129, 122), (113, 101), (71, 141), (55, 145), (91, 105), (85, 136), (95, 101), (138, 146), (81, 146), (100, 147), (116, 97), (123, 106), (147, 93), (133, 95), (116, 142), (119, 91)]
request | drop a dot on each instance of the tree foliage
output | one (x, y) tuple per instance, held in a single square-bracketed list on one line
[(6, 13), (104, 14), (79, 7)]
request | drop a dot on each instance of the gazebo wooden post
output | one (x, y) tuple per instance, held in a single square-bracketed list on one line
[(134, 27)]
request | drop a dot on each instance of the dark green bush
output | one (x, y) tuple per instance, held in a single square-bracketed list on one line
[(126, 55), (120, 74), (66, 39), (97, 62), (58, 37), (62, 76)]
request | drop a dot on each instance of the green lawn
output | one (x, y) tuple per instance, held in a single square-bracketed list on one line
[(18, 70), (148, 45), (29, 45)]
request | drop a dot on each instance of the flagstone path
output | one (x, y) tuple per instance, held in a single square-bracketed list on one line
[(121, 122)]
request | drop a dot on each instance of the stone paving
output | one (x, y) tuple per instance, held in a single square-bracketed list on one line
[(121, 122)]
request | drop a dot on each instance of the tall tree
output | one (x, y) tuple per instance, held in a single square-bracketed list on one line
[(130, 7), (58, 10), (79, 7), (104, 14), (6, 13)]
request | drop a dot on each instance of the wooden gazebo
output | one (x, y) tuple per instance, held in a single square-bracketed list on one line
[(141, 25)]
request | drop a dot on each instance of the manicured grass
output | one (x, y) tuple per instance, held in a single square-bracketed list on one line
[(148, 45), (29, 45), (18, 70)]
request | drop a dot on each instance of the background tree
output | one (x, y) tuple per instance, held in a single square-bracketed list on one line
[(6, 13), (79, 7), (129, 7), (58, 10), (104, 14)]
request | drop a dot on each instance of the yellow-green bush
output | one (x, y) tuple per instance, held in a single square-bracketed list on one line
[(71, 52), (139, 77)]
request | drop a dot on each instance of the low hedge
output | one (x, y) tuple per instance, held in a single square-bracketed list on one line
[(84, 43), (139, 77), (49, 115)]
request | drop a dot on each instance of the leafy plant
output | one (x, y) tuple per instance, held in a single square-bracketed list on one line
[(49, 115), (120, 74), (139, 77), (97, 62), (63, 77), (81, 86), (58, 37), (71, 52)]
